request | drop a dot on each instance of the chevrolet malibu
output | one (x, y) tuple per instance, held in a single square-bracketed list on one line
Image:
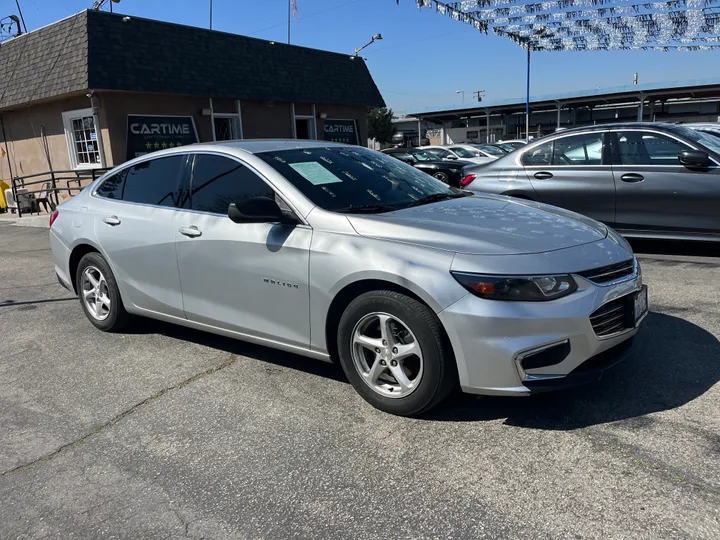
[(338, 252)]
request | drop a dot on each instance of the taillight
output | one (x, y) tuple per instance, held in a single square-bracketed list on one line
[(468, 179), (54, 216)]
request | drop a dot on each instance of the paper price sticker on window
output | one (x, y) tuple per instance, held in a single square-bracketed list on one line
[(315, 173)]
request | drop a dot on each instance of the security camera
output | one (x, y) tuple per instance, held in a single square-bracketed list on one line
[(126, 19)]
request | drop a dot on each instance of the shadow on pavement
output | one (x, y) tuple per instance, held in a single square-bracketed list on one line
[(675, 247), (235, 346), (674, 362)]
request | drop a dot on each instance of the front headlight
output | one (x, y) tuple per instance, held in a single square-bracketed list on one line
[(517, 288)]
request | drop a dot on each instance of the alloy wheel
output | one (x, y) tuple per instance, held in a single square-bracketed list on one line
[(95, 294), (387, 355)]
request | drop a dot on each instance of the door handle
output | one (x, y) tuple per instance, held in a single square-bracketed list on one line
[(112, 221), (190, 232), (543, 175), (632, 178)]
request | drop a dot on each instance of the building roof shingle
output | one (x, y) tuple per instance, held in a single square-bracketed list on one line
[(102, 51)]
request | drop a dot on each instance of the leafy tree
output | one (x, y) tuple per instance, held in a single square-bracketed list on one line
[(380, 126)]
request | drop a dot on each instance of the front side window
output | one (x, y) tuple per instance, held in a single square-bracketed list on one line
[(645, 148), (82, 139), (347, 179), (422, 155), (218, 181), (584, 149)]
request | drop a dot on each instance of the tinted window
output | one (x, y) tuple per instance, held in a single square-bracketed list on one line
[(440, 152), (403, 156), (348, 178), (112, 187), (218, 181), (540, 155), (578, 150), (492, 150), (155, 182), (643, 148)]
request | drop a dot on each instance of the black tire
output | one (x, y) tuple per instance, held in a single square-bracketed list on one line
[(117, 318), (439, 376), (443, 177)]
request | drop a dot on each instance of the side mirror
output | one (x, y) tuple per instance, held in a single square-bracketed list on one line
[(258, 210), (694, 158), (451, 157)]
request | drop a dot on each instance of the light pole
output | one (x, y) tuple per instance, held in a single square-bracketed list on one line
[(375, 38), (526, 42), (463, 95)]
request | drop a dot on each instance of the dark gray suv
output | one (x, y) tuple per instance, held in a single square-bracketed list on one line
[(648, 180)]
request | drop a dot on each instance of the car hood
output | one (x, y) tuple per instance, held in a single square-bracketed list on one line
[(483, 225)]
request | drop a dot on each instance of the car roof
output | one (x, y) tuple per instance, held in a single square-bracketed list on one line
[(617, 125), (257, 146)]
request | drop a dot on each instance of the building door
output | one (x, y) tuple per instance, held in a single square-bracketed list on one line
[(305, 127), (227, 128)]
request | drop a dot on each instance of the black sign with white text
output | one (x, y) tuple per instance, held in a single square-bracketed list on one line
[(342, 131), (149, 133)]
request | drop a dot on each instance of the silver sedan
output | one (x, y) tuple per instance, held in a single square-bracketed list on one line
[(341, 253)]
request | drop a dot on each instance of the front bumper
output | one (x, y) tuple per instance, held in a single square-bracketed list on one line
[(491, 339)]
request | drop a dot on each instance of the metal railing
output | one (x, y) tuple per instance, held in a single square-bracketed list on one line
[(75, 180)]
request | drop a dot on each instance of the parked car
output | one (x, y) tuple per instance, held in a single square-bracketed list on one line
[(648, 180), (337, 252), (447, 171), (516, 143), (507, 147), (491, 150), (461, 152)]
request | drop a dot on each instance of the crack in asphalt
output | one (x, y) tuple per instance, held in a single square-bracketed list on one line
[(604, 440), (102, 428)]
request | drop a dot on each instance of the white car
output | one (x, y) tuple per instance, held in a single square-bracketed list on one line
[(460, 151)]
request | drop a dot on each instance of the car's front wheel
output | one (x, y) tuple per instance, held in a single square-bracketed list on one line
[(394, 352), (99, 294)]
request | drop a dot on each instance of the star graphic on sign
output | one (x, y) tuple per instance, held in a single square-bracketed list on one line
[(164, 145), (171, 145), (156, 145), (148, 145), (178, 144)]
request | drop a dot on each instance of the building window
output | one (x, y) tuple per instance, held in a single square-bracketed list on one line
[(82, 139), (227, 128), (305, 126)]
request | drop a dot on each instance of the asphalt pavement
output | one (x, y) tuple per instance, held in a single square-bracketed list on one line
[(164, 432)]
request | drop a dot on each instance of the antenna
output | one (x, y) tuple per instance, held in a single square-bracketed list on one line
[(479, 95), (17, 3), (98, 4)]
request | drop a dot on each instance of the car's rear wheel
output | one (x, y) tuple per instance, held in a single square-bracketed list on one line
[(443, 177), (394, 352), (99, 294)]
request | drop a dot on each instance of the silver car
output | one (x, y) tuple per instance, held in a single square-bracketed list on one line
[(340, 252)]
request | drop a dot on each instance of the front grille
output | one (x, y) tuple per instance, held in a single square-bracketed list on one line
[(609, 273), (613, 317)]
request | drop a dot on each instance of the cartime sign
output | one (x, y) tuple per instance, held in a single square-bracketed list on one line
[(342, 131), (149, 133)]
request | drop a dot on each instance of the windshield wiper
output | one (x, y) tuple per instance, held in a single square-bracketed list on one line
[(436, 197), (366, 209)]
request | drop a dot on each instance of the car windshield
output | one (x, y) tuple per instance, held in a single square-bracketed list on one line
[(709, 141), (348, 178), (466, 152), (491, 150)]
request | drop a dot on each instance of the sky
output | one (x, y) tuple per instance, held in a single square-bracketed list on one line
[(424, 57)]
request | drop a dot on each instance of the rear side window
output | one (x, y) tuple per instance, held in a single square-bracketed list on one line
[(155, 182), (218, 181), (579, 150), (112, 187)]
